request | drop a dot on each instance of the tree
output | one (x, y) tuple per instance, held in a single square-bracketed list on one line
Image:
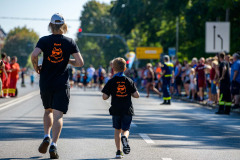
[(156, 21), (20, 42), (96, 18)]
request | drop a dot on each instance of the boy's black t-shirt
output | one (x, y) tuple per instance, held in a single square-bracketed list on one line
[(120, 89), (56, 53)]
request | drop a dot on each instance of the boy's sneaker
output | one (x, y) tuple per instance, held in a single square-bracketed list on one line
[(44, 145), (53, 152), (126, 147), (119, 154)]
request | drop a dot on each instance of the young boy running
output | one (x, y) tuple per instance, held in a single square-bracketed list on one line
[(121, 88)]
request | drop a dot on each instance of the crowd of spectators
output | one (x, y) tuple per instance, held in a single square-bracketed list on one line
[(9, 74), (199, 80)]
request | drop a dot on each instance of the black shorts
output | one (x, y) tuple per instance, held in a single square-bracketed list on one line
[(100, 80), (178, 80), (149, 80), (235, 88), (122, 122), (56, 99)]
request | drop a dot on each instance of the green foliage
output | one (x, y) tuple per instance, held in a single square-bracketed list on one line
[(20, 42), (96, 18), (155, 22)]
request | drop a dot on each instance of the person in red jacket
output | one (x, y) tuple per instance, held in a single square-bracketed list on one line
[(5, 84), (2, 72), (14, 76), (8, 62)]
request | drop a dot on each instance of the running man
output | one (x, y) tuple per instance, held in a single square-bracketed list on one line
[(54, 83)]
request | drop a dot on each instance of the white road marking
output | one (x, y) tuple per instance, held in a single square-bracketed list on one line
[(146, 138), (166, 158), (18, 100), (133, 125)]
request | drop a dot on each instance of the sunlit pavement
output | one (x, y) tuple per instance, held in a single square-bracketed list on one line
[(182, 131)]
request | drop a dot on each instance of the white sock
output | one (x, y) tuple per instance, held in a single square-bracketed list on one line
[(47, 135), (54, 144)]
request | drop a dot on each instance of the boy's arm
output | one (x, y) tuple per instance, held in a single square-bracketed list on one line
[(106, 91), (136, 94), (105, 96)]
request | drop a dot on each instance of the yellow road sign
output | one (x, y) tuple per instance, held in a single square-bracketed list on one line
[(148, 52)]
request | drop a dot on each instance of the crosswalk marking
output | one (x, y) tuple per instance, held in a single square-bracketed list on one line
[(146, 138), (166, 158)]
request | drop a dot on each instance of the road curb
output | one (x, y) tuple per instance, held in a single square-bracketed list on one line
[(201, 103)]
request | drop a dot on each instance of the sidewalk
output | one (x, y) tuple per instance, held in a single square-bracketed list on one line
[(204, 103)]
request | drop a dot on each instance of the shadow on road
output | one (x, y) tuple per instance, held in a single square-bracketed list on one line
[(39, 157), (179, 127), (98, 126)]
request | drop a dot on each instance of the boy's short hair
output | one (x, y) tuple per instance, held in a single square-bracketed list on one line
[(119, 64)]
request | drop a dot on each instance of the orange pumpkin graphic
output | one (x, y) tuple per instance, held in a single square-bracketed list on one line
[(121, 89), (57, 53)]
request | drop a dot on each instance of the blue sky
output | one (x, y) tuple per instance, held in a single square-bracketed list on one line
[(70, 9)]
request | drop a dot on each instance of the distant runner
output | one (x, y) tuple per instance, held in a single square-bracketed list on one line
[(54, 83)]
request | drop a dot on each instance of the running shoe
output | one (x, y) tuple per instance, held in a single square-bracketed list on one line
[(119, 154), (44, 145), (126, 147), (53, 152)]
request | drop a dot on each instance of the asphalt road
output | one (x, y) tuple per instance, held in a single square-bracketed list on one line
[(182, 131)]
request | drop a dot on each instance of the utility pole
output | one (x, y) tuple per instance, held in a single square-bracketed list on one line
[(227, 14), (177, 35)]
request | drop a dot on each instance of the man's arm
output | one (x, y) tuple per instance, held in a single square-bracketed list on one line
[(78, 61), (136, 94), (223, 72), (105, 96), (235, 75), (3, 68), (34, 58)]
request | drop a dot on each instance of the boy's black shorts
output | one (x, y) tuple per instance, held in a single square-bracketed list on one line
[(56, 99), (122, 122)]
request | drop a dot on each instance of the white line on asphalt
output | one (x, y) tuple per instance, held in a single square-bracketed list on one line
[(18, 100), (146, 138), (133, 125), (166, 158)]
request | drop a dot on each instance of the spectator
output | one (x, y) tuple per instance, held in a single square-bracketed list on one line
[(201, 77), (235, 79), (208, 80), (186, 78), (150, 80), (178, 79), (214, 97), (194, 62), (192, 85), (225, 100)]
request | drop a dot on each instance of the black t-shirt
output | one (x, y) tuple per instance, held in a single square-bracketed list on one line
[(120, 89), (56, 53), (226, 78)]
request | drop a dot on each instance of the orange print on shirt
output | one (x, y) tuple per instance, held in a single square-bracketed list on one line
[(121, 89), (56, 55)]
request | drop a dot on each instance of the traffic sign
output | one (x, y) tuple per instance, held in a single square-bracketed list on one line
[(148, 52), (217, 37), (172, 51)]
